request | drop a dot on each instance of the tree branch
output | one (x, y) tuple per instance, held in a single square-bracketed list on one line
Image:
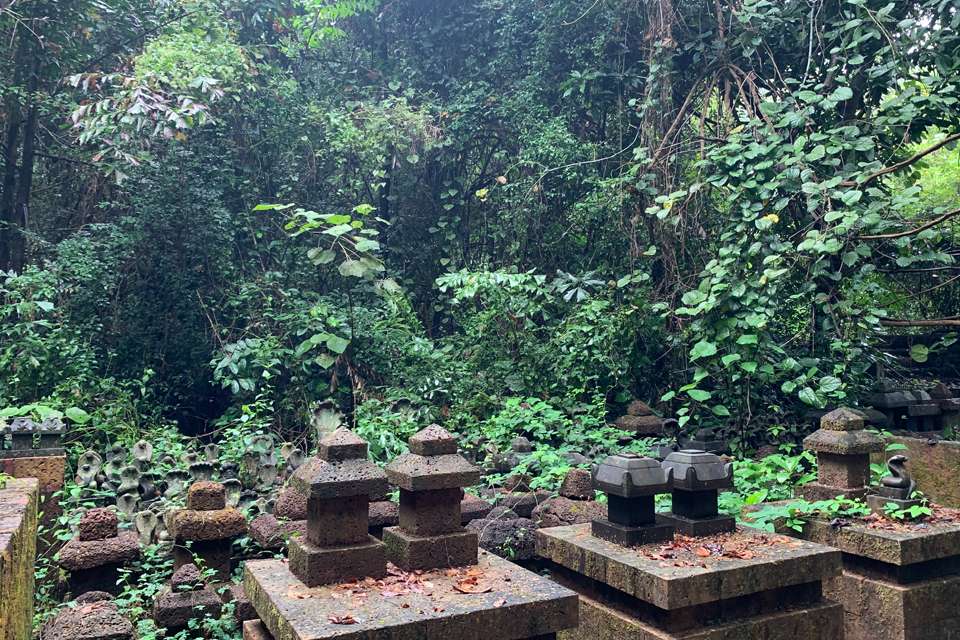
[(910, 232), (933, 322), (901, 165)]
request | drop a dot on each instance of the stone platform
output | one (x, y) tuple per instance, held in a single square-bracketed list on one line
[(900, 581), (518, 605), (745, 585)]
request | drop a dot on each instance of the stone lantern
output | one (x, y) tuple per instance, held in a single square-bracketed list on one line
[(843, 449), (431, 478), (697, 478), (338, 484), (631, 483)]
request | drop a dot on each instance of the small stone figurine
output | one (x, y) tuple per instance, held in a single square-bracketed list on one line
[(897, 488)]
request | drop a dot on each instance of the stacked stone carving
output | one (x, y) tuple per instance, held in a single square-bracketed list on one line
[(206, 528), (95, 555), (843, 449)]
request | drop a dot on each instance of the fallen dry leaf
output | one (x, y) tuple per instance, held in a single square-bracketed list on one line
[(703, 552), (348, 619)]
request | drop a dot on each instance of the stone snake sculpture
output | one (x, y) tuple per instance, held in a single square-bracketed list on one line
[(900, 478)]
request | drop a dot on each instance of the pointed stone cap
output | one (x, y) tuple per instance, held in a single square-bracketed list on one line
[(342, 444), (341, 470), (842, 419), (432, 441), (431, 471), (629, 475)]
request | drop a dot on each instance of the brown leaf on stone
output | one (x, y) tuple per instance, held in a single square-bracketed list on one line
[(347, 619), (473, 585), (703, 552), (499, 603)]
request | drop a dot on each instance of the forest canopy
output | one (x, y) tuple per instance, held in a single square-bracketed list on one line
[(506, 216)]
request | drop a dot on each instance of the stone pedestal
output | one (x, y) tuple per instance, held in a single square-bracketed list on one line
[(187, 597), (901, 582), (206, 529), (94, 557), (843, 451), (338, 484), (431, 478), (519, 605), (747, 585), (697, 478)]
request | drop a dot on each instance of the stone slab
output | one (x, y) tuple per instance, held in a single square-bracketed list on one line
[(667, 586), (519, 605), (817, 622), (79, 555), (206, 496), (18, 549), (174, 610), (427, 473), (920, 543), (814, 492), (879, 610), (696, 527), (934, 464), (255, 630)]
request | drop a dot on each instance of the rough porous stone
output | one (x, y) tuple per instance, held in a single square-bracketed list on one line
[(639, 408), (242, 607), (78, 555), (522, 503), (255, 630), (876, 609), (433, 441), (411, 552), (187, 524), (427, 473), (206, 496), (383, 513), (842, 419), (186, 578), (270, 533), (291, 505), (314, 565), (577, 485), (91, 621), (18, 550), (98, 524), (174, 610), (560, 511), (843, 442), (520, 604), (473, 508), (641, 425), (513, 538), (670, 587), (339, 479)]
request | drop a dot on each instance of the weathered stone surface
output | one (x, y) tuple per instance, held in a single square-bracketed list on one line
[(639, 408), (847, 472), (879, 610), (174, 610), (577, 485), (351, 477), (342, 444), (506, 535), (206, 496), (92, 621), (383, 513), (672, 587), (426, 473), (333, 522), (255, 630), (186, 524), (700, 526), (934, 464), (842, 419), (433, 441), (926, 542), (49, 471), (271, 533), (843, 442), (186, 578), (641, 425), (411, 552), (473, 508), (18, 550), (632, 535), (215, 554), (521, 503), (291, 505), (519, 605), (425, 513), (560, 511), (78, 555), (814, 491), (98, 524), (314, 565), (597, 621), (242, 607)]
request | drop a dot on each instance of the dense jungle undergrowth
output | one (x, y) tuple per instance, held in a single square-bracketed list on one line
[(221, 219)]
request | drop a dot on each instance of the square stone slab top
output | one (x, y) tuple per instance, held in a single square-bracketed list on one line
[(407, 606), (319, 478), (899, 544), (675, 575), (433, 441), (78, 555), (425, 473)]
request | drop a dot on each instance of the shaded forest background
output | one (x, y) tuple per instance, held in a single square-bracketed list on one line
[(511, 217)]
